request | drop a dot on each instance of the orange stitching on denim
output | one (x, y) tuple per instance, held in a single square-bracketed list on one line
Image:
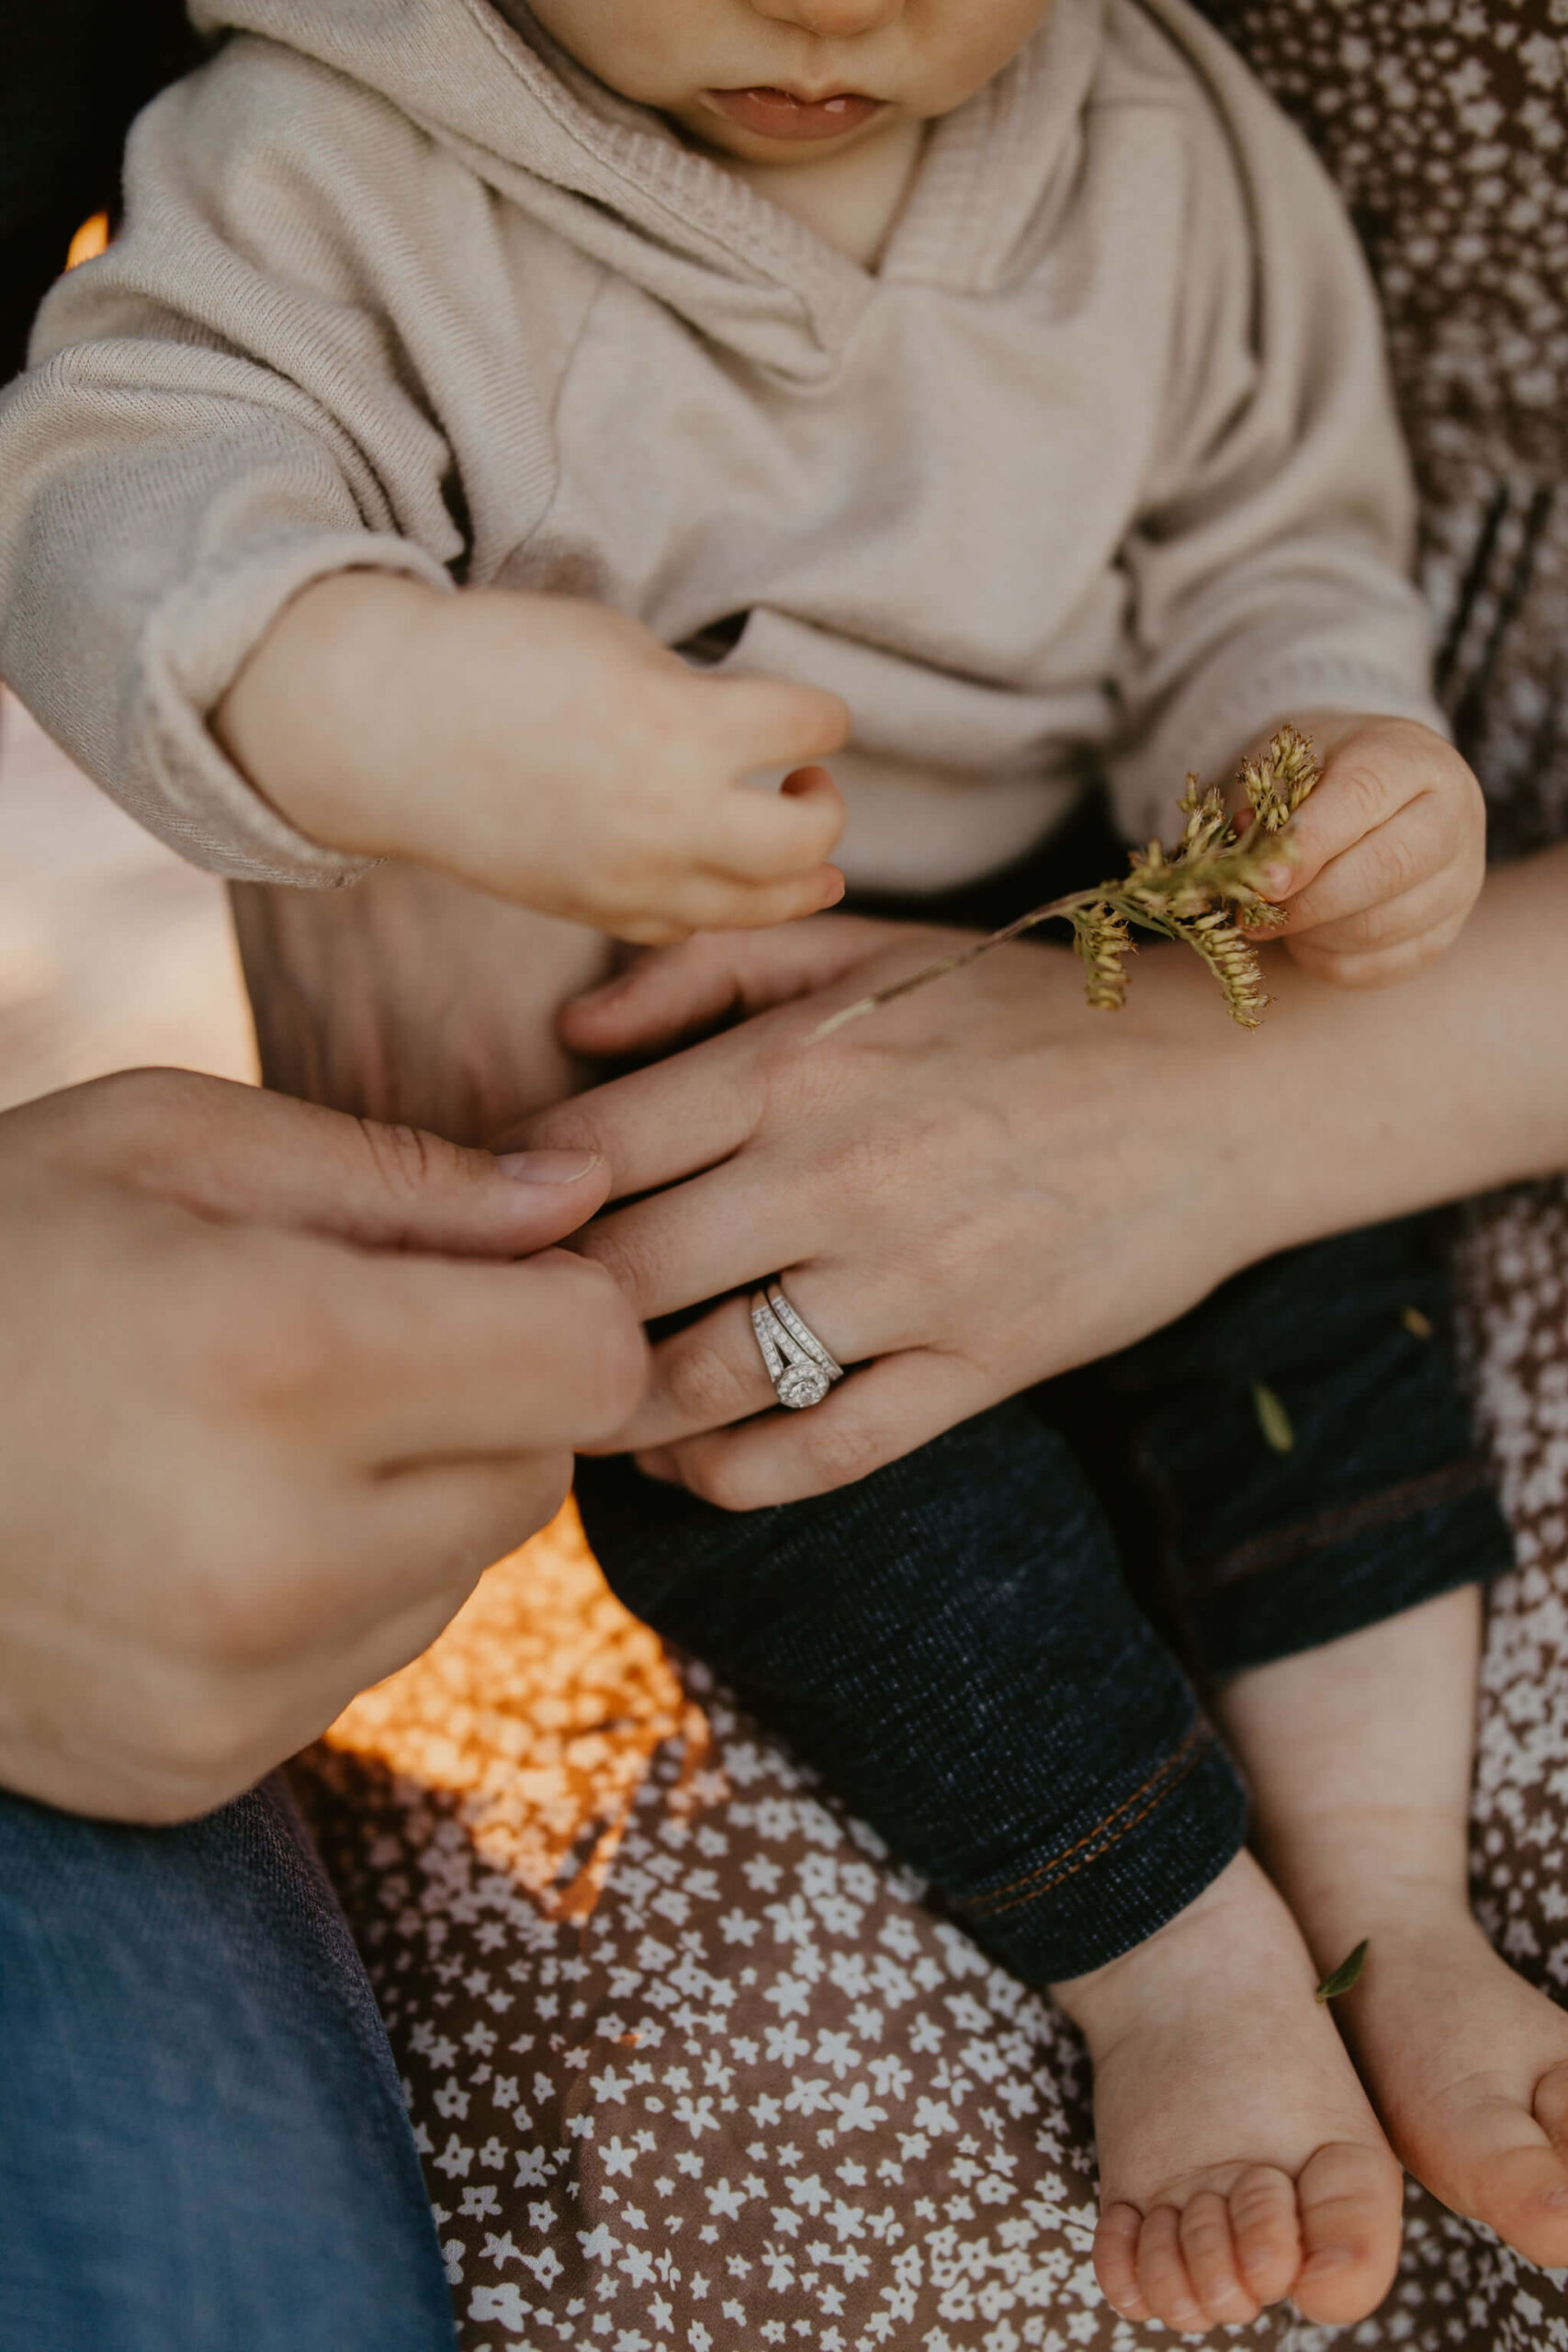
[(1172, 1772), (993, 1910), (1454, 1483)]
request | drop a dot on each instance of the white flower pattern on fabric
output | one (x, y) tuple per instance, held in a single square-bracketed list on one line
[(1445, 124), (764, 2096)]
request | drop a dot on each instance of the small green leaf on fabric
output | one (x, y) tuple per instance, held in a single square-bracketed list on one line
[(1273, 1419), (1348, 1974), (1419, 1325)]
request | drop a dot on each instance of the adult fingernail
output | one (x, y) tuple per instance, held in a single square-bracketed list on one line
[(547, 1167)]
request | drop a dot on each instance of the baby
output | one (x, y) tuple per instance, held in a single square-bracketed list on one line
[(956, 389)]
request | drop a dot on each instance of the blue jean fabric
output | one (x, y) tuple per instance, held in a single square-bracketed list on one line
[(995, 1648), (203, 2145)]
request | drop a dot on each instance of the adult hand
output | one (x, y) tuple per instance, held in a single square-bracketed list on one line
[(986, 1183), (955, 1190), (261, 1427)]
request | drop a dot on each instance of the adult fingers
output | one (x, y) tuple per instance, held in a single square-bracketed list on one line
[(393, 1570), (437, 1530), (245, 1157), (876, 1416), (394, 1559), (712, 1373), (697, 985), (409, 1359), (657, 1125), (696, 1241), (773, 723)]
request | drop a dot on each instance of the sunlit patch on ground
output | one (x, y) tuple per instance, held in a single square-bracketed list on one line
[(542, 1708)]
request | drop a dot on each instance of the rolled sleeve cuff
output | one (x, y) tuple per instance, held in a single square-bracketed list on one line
[(187, 791)]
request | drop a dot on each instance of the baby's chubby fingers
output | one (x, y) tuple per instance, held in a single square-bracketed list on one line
[(1377, 967), (759, 836), (702, 902), (769, 723), (1397, 807), (729, 854), (761, 857), (1412, 861), (1350, 918), (1370, 770)]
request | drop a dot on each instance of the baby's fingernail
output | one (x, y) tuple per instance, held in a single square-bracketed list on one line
[(1277, 880), (659, 1464), (547, 1167)]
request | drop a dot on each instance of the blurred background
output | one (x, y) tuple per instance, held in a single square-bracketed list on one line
[(112, 952)]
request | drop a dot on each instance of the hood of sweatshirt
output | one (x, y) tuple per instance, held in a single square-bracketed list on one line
[(617, 182)]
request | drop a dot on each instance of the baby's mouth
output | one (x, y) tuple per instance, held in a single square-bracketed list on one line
[(779, 114)]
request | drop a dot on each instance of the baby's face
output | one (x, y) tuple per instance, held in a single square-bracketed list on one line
[(779, 81)]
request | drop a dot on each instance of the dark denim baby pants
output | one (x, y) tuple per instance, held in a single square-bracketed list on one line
[(957, 1642)]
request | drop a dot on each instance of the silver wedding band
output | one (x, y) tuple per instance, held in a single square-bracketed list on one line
[(799, 1366)]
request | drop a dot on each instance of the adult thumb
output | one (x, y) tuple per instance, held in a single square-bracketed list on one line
[(248, 1157)]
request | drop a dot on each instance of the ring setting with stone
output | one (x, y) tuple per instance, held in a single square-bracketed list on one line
[(800, 1367)]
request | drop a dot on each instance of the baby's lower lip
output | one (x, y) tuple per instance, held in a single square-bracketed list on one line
[(775, 114)]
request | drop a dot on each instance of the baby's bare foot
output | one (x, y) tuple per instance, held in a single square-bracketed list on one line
[(1466, 2063), (1359, 1757), (1239, 2160)]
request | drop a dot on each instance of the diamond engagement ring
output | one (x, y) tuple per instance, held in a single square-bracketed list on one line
[(799, 1366)]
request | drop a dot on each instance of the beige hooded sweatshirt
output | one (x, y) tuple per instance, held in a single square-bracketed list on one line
[(1101, 460)]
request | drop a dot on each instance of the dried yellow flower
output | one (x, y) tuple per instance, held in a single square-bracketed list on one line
[(1207, 891), (1281, 781), (1104, 942)]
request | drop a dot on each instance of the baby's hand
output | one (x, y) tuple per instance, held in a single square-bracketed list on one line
[(546, 749), (1387, 855)]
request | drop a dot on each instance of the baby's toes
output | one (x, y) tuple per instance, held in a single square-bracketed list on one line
[(1349, 2199), (1116, 2260), (1209, 2250), (1519, 2179), (1265, 2233), (1551, 2105), (1162, 2273)]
